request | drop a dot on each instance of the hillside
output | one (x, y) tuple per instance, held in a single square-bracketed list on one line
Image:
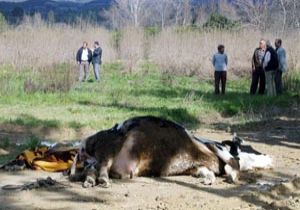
[(64, 11)]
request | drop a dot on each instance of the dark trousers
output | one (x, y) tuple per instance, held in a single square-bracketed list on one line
[(278, 82), (220, 76), (258, 76)]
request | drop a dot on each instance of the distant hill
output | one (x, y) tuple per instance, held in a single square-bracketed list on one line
[(64, 11)]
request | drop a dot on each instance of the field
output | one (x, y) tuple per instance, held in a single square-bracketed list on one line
[(40, 99), (91, 106)]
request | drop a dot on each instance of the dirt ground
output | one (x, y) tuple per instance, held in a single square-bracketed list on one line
[(270, 189)]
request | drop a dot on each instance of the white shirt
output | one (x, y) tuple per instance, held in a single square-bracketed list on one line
[(85, 55)]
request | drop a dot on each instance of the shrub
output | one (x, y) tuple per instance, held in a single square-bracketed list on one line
[(217, 21)]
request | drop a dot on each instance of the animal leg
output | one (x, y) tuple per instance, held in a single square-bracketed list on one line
[(208, 175), (232, 173), (90, 179), (232, 166), (103, 178)]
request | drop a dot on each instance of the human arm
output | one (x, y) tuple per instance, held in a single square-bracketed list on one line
[(90, 55), (266, 59), (253, 61), (78, 55), (214, 60), (282, 60), (96, 52)]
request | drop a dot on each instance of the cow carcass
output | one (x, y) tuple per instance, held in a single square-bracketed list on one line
[(151, 146)]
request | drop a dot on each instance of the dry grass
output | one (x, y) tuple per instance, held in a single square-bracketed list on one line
[(191, 52), (53, 78), (34, 47), (181, 52)]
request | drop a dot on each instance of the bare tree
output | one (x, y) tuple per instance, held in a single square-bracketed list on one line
[(161, 11), (127, 12), (187, 15), (255, 13), (284, 14)]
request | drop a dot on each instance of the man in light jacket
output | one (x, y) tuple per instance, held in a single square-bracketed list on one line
[(220, 62), (84, 58), (282, 65), (96, 60)]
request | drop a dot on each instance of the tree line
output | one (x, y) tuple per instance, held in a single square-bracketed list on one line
[(263, 15)]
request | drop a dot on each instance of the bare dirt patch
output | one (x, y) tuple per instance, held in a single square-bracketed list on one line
[(271, 189)]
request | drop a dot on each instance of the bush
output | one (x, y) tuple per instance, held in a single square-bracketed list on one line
[(217, 21)]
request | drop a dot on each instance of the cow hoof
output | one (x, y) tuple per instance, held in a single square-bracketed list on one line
[(208, 175), (103, 182), (209, 179), (233, 174), (89, 182)]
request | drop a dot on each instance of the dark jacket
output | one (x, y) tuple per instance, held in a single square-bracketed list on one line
[(273, 64), (79, 53), (97, 56)]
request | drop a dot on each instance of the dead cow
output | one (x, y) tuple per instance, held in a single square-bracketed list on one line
[(151, 146)]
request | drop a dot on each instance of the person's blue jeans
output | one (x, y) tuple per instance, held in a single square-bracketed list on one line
[(96, 67)]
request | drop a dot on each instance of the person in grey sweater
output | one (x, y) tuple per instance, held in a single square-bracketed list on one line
[(282, 65), (97, 60), (220, 62)]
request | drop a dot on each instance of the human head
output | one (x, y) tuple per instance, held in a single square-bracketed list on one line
[(268, 43), (96, 44), (85, 44), (262, 44), (221, 48), (278, 43)]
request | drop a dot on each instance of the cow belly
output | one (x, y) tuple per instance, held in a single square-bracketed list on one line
[(181, 164), (123, 165)]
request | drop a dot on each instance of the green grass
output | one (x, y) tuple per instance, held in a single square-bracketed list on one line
[(119, 96)]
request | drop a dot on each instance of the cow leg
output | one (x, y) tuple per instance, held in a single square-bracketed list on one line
[(232, 173), (91, 177), (204, 172), (103, 178), (231, 164)]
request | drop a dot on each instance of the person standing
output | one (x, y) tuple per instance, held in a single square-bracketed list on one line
[(282, 65), (96, 60), (270, 66), (84, 58), (258, 74), (220, 62)]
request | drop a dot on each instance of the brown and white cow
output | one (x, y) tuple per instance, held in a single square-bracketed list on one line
[(151, 146)]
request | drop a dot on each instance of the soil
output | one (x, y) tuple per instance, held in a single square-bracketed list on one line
[(278, 188)]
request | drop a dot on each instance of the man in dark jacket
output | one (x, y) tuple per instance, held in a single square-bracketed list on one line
[(96, 60), (84, 58), (258, 74)]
